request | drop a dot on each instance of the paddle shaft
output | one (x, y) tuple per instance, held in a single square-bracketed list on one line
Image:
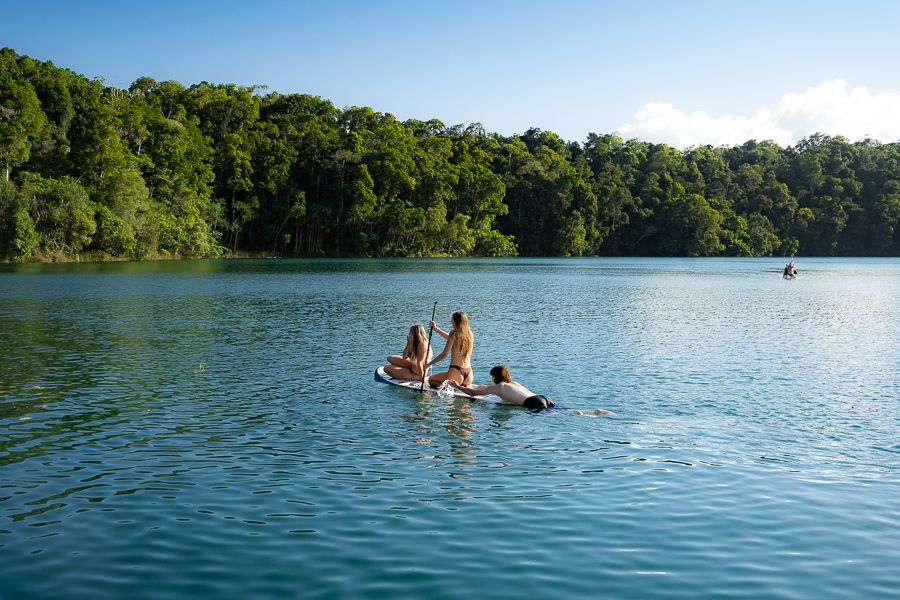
[(428, 347)]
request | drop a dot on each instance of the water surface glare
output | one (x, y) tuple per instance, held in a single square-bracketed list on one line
[(213, 429)]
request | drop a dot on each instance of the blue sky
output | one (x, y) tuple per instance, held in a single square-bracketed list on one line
[(674, 71)]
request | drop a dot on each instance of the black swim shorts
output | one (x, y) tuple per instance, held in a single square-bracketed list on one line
[(538, 402)]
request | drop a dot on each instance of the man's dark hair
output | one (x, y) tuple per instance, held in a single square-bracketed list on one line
[(500, 373)]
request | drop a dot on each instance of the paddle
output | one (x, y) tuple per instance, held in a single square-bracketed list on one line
[(428, 347)]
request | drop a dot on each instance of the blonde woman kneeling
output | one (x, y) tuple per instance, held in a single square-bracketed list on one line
[(460, 342)]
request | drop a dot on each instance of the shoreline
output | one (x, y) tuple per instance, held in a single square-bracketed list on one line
[(101, 258)]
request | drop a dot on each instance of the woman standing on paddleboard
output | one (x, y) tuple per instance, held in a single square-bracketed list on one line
[(460, 342)]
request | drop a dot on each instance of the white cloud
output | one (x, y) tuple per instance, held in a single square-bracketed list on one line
[(827, 108)]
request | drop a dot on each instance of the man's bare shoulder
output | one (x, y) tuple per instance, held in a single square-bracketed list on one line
[(520, 388)]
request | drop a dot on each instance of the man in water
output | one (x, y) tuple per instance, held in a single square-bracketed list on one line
[(511, 392)]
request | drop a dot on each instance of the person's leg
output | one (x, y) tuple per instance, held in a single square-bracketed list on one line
[(438, 378), (399, 361), (401, 373)]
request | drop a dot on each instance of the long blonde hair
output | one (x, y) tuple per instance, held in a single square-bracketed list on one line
[(463, 333), (414, 341)]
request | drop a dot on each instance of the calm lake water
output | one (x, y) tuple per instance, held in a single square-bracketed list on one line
[(213, 429)]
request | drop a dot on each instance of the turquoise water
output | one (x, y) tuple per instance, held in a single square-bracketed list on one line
[(213, 429)]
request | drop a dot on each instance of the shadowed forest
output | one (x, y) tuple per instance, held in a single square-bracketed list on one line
[(160, 169)]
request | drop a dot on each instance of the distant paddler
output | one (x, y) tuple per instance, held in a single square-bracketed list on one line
[(790, 270)]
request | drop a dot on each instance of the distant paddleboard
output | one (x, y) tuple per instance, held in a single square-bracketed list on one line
[(416, 387)]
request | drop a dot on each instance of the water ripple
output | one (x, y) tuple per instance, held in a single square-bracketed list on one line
[(212, 428)]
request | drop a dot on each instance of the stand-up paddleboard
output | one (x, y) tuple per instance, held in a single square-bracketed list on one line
[(416, 387)]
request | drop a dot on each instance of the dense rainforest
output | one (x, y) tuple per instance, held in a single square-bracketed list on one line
[(161, 169)]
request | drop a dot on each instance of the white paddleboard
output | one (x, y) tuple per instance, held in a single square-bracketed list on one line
[(416, 387)]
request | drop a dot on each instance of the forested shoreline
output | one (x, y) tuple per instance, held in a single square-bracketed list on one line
[(160, 169)]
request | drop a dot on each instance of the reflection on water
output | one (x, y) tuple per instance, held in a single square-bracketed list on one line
[(212, 428)]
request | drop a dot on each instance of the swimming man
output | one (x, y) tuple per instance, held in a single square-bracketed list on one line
[(511, 392)]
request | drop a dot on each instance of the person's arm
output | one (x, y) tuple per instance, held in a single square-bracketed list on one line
[(482, 390), (440, 331), (442, 355)]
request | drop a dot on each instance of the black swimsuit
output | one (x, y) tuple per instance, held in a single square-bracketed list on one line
[(538, 402), (462, 371)]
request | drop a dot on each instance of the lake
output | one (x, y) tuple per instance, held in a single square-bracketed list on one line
[(213, 429)]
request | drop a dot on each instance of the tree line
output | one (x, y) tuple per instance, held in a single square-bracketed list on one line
[(162, 169)]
